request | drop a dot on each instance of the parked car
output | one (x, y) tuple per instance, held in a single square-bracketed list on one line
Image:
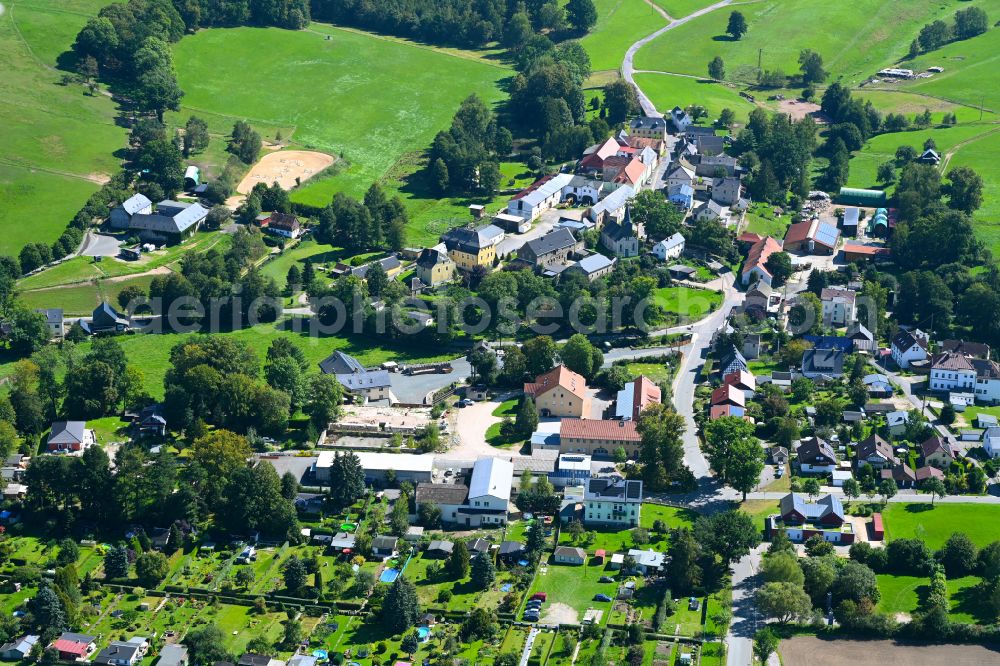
[(601, 597), (541, 596), (605, 579), (693, 604), (465, 402)]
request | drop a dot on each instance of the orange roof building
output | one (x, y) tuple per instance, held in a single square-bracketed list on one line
[(560, 392), (755, 266), (598, 437)]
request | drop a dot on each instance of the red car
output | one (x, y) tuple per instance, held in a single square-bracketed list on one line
[(541, 596)]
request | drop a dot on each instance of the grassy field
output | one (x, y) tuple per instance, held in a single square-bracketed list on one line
[(574, 586), (903, 594), (658, 372), (368, 99), (762, 220), (981, 155), (854, 44), (667, 91), (620, 23), (58, 142), (687, 302), (681, 8), (935, 524)]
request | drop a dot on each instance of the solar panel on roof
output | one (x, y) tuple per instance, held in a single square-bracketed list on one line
[(827, 234)]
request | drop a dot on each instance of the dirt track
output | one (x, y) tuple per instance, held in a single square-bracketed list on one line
[(811, 651)]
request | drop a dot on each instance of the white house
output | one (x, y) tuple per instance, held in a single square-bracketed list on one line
[(991, 441), (647, 561), (951, 371), (838, 306), (669, 248), (489, 492), (615, 502), (680, 175), (909, 347)]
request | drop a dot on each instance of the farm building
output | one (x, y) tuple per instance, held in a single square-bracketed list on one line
[(852, 196)]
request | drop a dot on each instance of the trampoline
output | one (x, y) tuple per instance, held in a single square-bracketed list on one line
[(389, 575), (348, 527)]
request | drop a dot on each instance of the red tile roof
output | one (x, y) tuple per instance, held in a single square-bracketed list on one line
[(760, 253), (867, 250), (558, 376), (632, 173), (728, 393), (602, 430), (70, 647), (646, 393), (749, 237), (798, 232), (741, 379)]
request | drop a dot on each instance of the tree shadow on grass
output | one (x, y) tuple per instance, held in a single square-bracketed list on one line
[(723, 38), (972, 601), (919, 507)]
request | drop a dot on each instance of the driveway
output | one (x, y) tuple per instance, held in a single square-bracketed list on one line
[(413, 389), (470, 425), (100, 245), (543, 225)]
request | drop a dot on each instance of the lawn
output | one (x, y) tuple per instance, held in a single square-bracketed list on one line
[(903, 594), (58, 142), (686, 301), (762, 220), (981, 155), (620, 23), (366, 99), (464, 596), (854, 42), (613, 540), (667, 91), (681, 8), (658, 372), (151, 352), (573, 586), (934, 524), (277, 268)]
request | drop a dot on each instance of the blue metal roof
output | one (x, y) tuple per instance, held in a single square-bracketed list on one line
[(827, 234)]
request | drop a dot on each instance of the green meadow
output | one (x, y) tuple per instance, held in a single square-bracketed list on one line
[(620, 23), (58, 141), (855, 39), (667, 91), (681, 8), (934, 524), (365, 99)]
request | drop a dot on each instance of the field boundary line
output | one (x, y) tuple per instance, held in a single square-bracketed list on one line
[(405, 42), (31, 52), (11, 163), (958, 146), (928, 95)]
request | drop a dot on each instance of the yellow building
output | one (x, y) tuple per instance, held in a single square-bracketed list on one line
[(560, 392), (434, 266), (469, 247)]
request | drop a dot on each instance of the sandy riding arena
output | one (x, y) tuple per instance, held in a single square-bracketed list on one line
[(283, 167), (812, 651)]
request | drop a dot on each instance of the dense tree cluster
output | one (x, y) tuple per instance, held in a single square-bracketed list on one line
[(464, 157), (775, 152), (373, 224), (968, 23)]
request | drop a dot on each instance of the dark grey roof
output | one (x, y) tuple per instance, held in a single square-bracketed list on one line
[(105, 316), (351, 374), (648, 122), (470, 240), (555, 240), (135, 203), (52, 315), (823, 361), (812, 510), (389, 263), (612, 489), (171, 217), (67, 432), (442, 493), (510, 548), (814, 447), (384, 542), (616, 231), (429, 258)]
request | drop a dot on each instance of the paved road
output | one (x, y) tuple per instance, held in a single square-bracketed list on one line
[(628, 68), (744, 624)]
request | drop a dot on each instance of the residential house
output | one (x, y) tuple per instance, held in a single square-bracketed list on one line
[(137, 204), (743, 380), (823, 363), (752, 346), (173, 654), (876, 452), (384, 546), (560, 392), (151, 421), (937, 452), (439, 549), (123, 653), (593, 266), (927, 472), (74, 647), (710, 210), (543, 194), (613, 502), (105, 319), (991, 441), (909, 347), (569, 555), (678, 176), (406, 467), (862, 338), (816, 456), (952, 371), (647, 561), (896, 422), (878, 386), (727, 191), (370, 384), (728, 394), (800, 519), (929, 156), (648, 127), (598, 437), (838, 306), (479, 545), (309, 503), (55, 320), (594, 158), (902, 474), (710, 144), (812, 237), (489, 493), (732, 361), (434, 266), (73, 437), (553, 248), (612, 206), (635, 397), (761, 300), (172, 222), (680, 119), (966, 348), (472, 247), (727, 409), (282, 224), (716, 166), (511, 552), (681, 195), (622, 238), (755, 266), (19, 649), (669, 248)]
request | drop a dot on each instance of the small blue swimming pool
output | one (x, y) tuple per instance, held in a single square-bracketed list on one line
[(506, 587), (320, 654), (389, 575), (423, 633)]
